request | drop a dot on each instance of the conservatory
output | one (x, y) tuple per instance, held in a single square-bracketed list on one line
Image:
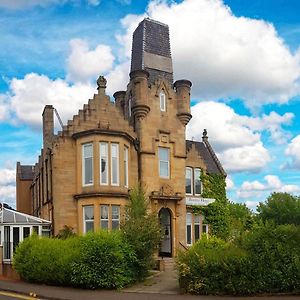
[(15, 227)]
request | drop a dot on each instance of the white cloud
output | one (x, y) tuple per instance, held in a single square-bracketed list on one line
[(7, 186), (229, 184), (238, 146), (3, 107), (7, 176), (117, 78), (224, 55), (256, 189), (94, 2), (18, 4), (271, 123), (84, 64), (28, 97), (293, 151), (8, 194)]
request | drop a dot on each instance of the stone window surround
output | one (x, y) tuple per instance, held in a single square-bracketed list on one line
[(122, 145)]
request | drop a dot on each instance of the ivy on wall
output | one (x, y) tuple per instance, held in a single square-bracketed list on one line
[(216, 214)]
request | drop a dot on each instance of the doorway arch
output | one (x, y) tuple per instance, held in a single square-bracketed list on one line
[(165, 248)]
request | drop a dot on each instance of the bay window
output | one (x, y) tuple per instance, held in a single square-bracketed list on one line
[(87, 164), (114, 164), (104, 163), (126, 166), (115, 216), (104, 216), (88, 218)]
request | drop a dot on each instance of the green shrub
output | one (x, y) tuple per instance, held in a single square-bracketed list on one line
[(275, 252), (265, 260), (106, 261), (45, 260), (211, 266), (142, 231)]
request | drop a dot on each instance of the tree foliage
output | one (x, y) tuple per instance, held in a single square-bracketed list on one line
[(142, 230), (281, 208), (216, 214)]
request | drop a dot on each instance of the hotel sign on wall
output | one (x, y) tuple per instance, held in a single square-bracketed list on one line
[(198, 201)]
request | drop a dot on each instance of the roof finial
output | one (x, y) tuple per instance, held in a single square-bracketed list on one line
[(101, 82), (204, 136)]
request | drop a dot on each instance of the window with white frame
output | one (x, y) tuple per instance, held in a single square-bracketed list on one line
[(87, 164), (114, 164), (126, 166), (196, 227), (162, 101), (193, 185), (104, 163), (164, 162), (189, 228), (188, 181), (197, 181), (115, 216), (104, 213), (88, 218)]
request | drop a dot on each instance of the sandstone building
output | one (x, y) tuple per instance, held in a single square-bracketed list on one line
[(84, 173)]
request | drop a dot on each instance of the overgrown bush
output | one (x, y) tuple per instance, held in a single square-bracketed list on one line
[(142, 231), (211, 266), (265, 260), (106, 261), (97, 260), (45, 260)]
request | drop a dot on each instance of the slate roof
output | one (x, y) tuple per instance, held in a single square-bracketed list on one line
[(26, 172), (153, 37), (210, 162)]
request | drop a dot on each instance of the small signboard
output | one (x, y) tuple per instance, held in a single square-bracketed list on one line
[(198, 201)]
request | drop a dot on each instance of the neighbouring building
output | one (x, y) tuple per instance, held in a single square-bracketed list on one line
[(84, 173)]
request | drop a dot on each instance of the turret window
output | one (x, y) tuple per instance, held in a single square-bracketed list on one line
[(129, 106), (162, 101)]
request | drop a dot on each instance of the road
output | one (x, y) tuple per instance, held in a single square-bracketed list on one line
[(113, 295)]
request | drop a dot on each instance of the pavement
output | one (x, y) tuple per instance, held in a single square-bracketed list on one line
[(163, 286)]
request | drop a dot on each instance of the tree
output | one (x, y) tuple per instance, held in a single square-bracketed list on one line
[(142, 230), (241, 219), (281, 208)]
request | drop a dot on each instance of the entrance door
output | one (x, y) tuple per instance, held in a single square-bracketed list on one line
[(165, 222)]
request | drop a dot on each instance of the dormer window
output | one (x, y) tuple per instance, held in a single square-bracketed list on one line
[(162, 101)]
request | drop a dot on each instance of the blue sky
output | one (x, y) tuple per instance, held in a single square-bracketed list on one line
[(242, 56)]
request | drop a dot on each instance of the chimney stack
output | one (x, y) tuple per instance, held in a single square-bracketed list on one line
[(48, 127)]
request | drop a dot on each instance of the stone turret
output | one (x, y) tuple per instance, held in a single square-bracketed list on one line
[(183, 92)]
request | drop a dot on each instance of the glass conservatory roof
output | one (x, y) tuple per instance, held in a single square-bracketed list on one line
[(10, 216)]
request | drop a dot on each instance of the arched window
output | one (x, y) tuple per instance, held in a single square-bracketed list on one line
[(162, 101)]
